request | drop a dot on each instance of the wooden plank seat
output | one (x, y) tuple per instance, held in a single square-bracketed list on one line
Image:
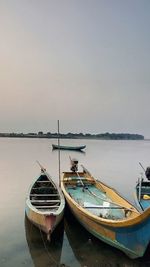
[(43, 195), (43, 181), (47, 207), (45, 201), (49, 187)]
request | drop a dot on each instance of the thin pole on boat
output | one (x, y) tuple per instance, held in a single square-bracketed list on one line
[(140, 185), (58, 150), (80, 180), (42, 168), (142, 166), (140, 182)]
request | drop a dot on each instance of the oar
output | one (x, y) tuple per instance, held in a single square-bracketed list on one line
[(85, 170), (80, 180), (111, 202), (98, 196)]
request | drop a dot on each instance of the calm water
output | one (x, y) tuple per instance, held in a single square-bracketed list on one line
[(21, 244)]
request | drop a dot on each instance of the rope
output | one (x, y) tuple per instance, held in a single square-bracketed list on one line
[(109, 201), (80, 180), (46, 249)]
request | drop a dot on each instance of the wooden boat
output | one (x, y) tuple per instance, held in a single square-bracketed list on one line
[(105, 213), (90, 251), (78, 148), (142, 193), (45, 203)]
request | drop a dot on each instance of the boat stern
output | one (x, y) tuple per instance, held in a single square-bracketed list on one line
[(50, 223)]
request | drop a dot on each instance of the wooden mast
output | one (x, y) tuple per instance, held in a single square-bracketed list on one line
[(58, 151)]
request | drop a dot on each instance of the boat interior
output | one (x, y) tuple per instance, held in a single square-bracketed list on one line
[(144, 188), (44, 195), (92, 196)]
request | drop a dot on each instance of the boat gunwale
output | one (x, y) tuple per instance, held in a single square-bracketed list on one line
[(127, 222), (46, 212)]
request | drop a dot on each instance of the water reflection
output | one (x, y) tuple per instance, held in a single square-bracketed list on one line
[(91, 252), (44, 253), (69, 151)]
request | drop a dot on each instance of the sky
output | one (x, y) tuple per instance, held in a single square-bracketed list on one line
[(85, 63)]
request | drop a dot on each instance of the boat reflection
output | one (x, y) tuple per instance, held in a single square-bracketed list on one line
[(44, 253), (70, 151), (91, 252)]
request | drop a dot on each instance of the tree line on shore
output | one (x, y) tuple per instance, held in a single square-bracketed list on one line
[(105, 136)]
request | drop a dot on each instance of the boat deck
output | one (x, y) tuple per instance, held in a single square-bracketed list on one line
[(95, 201)]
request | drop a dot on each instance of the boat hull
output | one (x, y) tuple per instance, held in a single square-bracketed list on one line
[(130, 235), (122, 239), (78, 148), (45, 222), (45, 203)]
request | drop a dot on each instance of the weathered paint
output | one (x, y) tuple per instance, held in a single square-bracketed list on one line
[(143, 203), (131, 240), (45, 220), (131, 234)]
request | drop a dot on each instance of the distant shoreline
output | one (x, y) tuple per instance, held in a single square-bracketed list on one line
[(103, 136)]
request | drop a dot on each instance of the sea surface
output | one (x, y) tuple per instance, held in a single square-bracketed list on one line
[(21, 244)]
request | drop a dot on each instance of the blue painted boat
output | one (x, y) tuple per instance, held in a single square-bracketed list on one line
[(105, 213), (78, 148), (142, 190)]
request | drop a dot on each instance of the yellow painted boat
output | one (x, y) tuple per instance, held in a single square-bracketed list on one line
[(91, 252), (45, 203), (105, 213)]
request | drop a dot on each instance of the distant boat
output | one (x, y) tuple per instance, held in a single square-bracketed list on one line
[(105, 213), (45, 203), (68, 147), (142, 191)]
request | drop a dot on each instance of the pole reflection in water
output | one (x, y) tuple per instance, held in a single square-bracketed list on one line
[(91, 252), (44, 253)]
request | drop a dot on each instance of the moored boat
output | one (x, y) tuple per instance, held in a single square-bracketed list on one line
[(45, 203), (90, 251), (142, 191), (105, 213), (78, 148)]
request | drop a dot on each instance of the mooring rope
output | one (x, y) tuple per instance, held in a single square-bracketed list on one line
[(46, 249), (109, 201)]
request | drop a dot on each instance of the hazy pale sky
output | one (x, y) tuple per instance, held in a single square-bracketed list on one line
[(86, 63)]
